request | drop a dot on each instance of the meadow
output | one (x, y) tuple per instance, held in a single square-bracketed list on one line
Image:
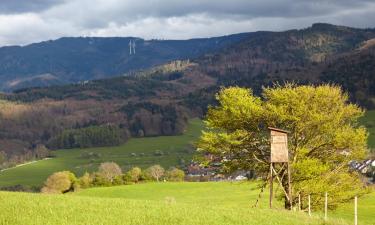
[(155, 203), (136, 152), (143, 152), (165, 203)]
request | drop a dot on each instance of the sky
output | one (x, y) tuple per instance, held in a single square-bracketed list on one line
[(28, 21)]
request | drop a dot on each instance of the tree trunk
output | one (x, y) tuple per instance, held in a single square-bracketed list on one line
[(286, 188)]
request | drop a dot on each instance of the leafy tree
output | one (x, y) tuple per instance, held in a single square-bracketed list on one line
[(60, 183), (85, 181), (134, 174), (41, 151), (98, 179), (3, 157), (156, 172), (118, 180), (324, 137), (109, 170), (175, 174)]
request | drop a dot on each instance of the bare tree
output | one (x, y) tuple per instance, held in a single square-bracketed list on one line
[(156, 172), (109, 170)]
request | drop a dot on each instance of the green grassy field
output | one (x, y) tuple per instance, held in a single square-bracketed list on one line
[(369, 121), (164, 203), (154, 203), (228, 194), (233, 194), (174, 148)]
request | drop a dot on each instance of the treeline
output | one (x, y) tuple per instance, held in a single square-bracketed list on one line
[(93, 136), (108, 174), (168, 112), (112, 88), (36, 153)]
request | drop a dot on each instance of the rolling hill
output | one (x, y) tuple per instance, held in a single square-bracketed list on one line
[(160, 100), (166, 203), (167, 151), (74, 59), (142, 152)]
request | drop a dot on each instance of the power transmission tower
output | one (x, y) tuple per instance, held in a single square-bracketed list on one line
[(133, 47), (130, 47)]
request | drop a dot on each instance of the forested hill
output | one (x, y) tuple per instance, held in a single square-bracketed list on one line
[(322, 53), (70, 60), (159, 100)]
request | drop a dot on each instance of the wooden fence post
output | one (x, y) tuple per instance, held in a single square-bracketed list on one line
[(325, 206), (309, 206), (355, 211)]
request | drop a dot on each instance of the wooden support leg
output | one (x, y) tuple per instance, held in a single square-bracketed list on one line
[(290, 188), (271, 185)]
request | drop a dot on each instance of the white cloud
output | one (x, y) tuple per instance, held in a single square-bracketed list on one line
[(171, 19)]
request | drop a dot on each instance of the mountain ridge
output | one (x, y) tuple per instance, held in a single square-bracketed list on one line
[(160, 100), (72, 60)]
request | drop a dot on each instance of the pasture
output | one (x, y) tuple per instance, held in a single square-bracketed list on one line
[(165, 203), (143, 152)]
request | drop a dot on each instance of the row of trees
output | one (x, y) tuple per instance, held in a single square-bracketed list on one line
[(108, 174), (37, 153), (87, 137)]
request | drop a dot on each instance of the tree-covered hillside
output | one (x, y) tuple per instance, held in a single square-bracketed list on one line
[(159, 100), (70, 60)]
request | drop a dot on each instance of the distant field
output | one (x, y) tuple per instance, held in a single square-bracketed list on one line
[(137, 151), (369, 121), (214, 203)]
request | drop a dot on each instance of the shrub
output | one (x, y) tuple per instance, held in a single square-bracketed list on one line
[(118, 180), (98, 179), (85, 181), (145, 176), (134, 174), (156, 172), (60, 183), (109, 170), (175, 174), (20, 188)]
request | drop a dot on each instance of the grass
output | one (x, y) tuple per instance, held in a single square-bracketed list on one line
[(233, 194), (366, 210), (174, 148), (155, 203), (220, 203), (229, 194), (369, 121)]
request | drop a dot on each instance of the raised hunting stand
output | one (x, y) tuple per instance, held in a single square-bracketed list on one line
[(279, 155)]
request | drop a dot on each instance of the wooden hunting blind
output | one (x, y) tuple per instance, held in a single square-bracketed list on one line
[(279, 158), (279, 145)]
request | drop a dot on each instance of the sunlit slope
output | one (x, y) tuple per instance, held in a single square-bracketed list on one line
[(166, 151), (36, 209)]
